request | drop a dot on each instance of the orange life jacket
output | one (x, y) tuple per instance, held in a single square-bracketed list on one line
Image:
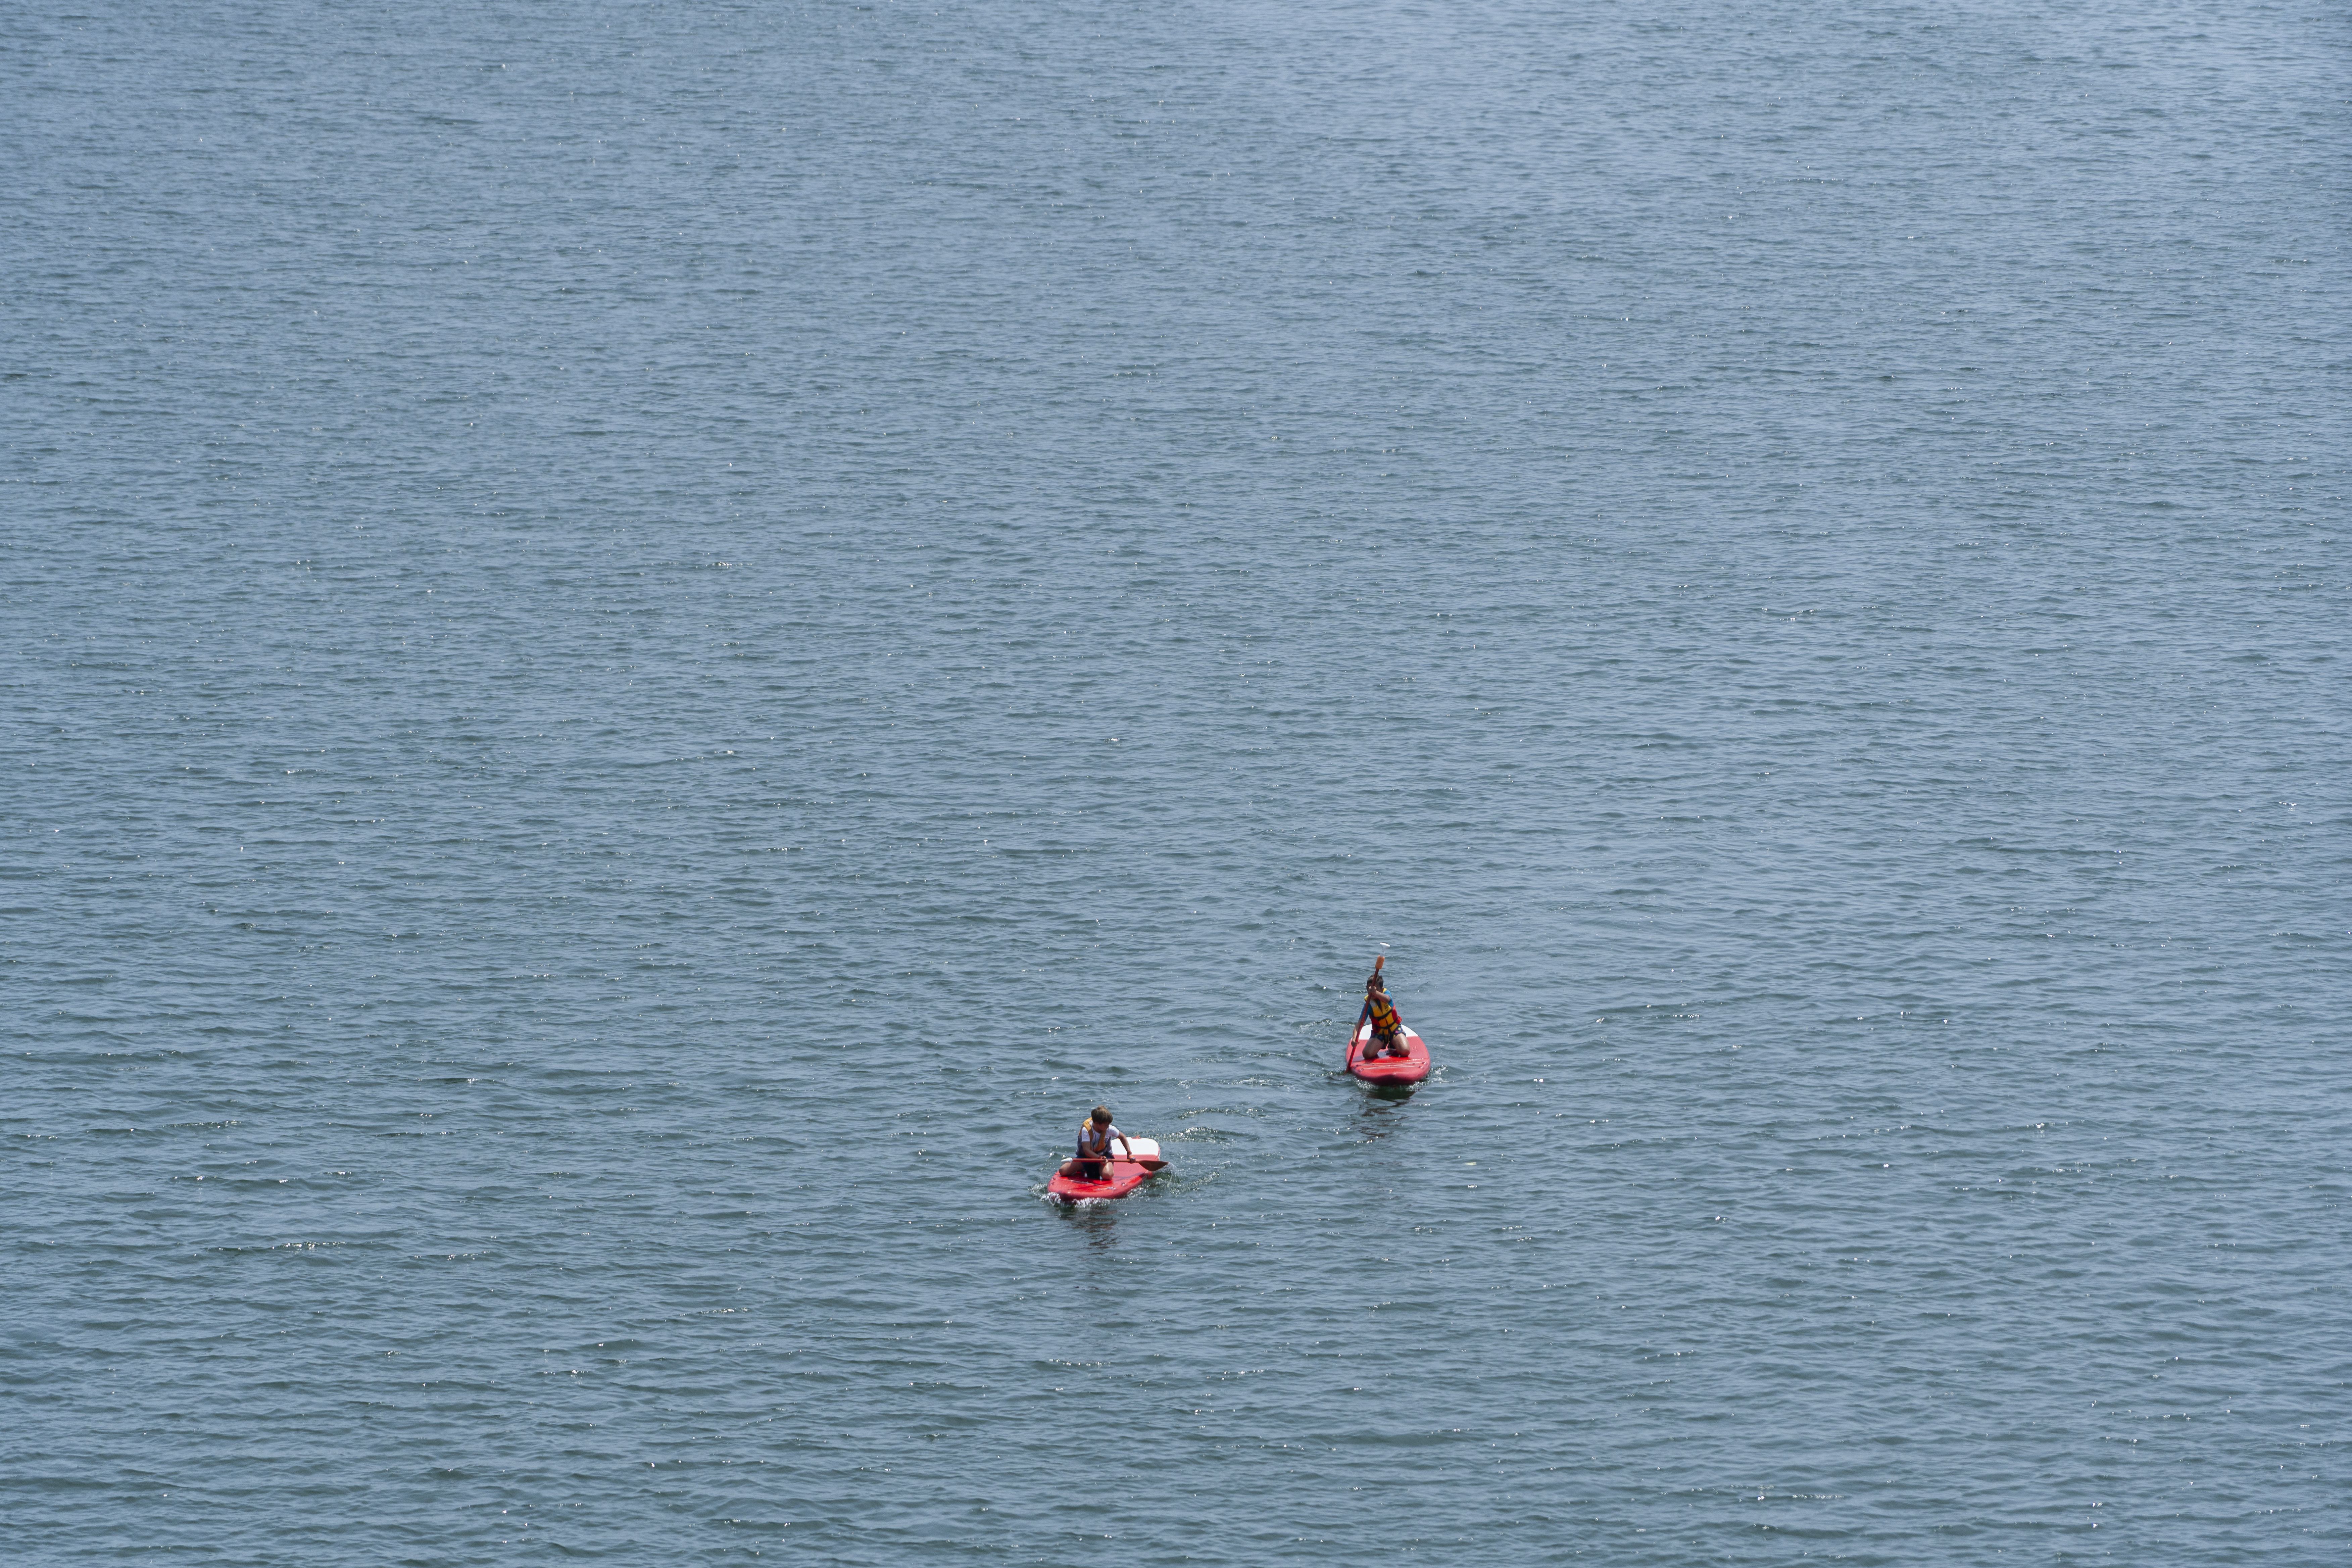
[(1384, 1018)]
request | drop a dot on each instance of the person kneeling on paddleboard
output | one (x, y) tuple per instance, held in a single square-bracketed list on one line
[(1388, 1029), (1092, 1162)]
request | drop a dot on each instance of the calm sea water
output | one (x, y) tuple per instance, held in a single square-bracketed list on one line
[(644, 646)]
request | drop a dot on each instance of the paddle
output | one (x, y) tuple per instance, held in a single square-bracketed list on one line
[(1378, 962), (1366, 1011), (1152, 1165), (1155, 1164)]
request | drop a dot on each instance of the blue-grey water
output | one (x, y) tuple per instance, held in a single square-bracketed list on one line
[(644, 645)]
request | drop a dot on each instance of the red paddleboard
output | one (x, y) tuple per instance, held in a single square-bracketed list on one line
[(1126, 1175), (1410, 1068)]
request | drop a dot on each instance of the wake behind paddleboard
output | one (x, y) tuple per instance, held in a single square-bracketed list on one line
[(1410, 1068)]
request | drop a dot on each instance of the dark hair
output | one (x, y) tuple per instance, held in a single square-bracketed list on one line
[(1102, 1113)]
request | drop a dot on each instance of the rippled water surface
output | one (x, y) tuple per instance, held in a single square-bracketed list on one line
[(644, 646)]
